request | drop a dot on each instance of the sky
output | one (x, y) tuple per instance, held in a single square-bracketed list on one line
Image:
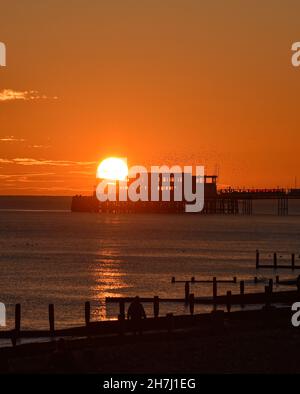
[(177, 82)]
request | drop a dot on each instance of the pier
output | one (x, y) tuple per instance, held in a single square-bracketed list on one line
[(228, 201)]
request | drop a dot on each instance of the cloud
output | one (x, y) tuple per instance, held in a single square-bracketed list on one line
[(82, 172), (11, 138), (36, 146), (27, 95), (60, 163), (25, 161), (39, 181), (47, 189), (26, 175)]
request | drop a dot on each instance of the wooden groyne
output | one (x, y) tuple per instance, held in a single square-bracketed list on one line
[(205, 322), (275, 265), (236, 299), (194, 280), (287, 282), (157, 322), (241, 298), (169, 321)]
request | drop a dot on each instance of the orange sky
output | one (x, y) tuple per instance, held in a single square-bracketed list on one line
[(158, 82)]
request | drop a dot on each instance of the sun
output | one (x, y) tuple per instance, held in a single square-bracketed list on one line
[(113, 168)]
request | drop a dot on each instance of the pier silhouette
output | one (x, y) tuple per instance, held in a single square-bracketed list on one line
[(228, 201)]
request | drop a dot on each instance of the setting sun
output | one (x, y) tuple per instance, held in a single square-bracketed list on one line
[(113, 168)]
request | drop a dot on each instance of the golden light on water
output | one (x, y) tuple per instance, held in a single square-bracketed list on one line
[(113, 168)]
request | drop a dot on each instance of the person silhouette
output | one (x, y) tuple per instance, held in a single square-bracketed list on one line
[(136, 313)]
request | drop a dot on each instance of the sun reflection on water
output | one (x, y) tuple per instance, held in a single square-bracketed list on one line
[(109, 279)]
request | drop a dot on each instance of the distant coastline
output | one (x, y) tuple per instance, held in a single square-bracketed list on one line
[(35, 203)]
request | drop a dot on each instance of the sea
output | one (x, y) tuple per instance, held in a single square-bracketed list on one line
[(51, 255)]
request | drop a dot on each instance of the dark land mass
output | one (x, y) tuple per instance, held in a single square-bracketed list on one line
[(238, 346)]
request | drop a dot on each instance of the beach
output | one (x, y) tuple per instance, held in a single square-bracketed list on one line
[(235, 348)]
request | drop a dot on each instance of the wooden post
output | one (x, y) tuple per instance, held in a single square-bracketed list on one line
[(215, 292), (275, 260), (16, 332), (293, 261), (242, 291), (270, 286), (51, 320), (234, 279), (193, 279), (257, 259), (173, 279), (122, 308), (215, 288), (87, 313), (187, 291), (17, 319), (228, 300), (156, 306), (277, 279), (192, 303)]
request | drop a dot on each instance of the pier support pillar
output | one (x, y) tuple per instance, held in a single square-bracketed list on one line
[(283, 206)]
